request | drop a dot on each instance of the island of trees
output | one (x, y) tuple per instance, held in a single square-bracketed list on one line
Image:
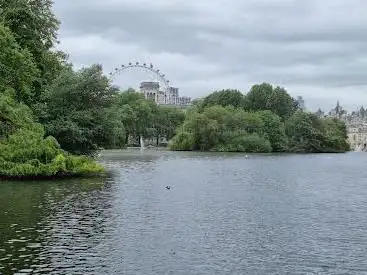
[(53, 119), (266, 119)]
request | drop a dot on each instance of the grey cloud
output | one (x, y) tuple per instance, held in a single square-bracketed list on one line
[(293, 42)]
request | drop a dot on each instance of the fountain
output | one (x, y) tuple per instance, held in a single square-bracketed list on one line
[(142, 143)]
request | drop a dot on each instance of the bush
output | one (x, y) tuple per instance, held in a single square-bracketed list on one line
[(250, 143), (28, 154), (24, 152), (183, 141)]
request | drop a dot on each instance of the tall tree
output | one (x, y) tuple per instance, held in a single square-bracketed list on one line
[(265, 97), (17, 69), (224, 98), (35, 27), (167, 120), (79, 110)]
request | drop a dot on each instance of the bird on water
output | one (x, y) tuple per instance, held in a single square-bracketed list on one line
[(168, 187)]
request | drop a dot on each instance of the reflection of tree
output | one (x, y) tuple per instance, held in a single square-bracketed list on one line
[(29, 212)]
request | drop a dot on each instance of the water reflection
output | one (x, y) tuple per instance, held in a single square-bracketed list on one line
[(41, 222)]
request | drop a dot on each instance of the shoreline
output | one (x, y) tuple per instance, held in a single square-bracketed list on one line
[(60, 176)]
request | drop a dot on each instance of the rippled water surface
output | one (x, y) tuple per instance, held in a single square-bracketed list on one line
[(224, 214)]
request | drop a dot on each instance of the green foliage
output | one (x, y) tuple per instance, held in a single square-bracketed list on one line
[(224, 98), (28, 68), (335, 135), (250, 143), (48, 111), (205, 131), (167, 120), (304, 132), (24, 152), (80, 112), (307, 133), (274, 131), (35, 27), (17, 69), (182, 141), (14, 116), (28, 154), (218, 128), (137, 113), (32, 21), (265, 97), (143, 117)]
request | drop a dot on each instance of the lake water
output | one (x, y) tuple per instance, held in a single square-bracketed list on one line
[(224, 214)]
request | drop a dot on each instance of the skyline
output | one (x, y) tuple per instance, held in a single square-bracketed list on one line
[(311, 48)]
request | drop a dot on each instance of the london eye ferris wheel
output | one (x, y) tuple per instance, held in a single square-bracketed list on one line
[(155, 76)]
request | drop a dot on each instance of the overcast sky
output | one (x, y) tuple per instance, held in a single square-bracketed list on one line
[(313, 48)]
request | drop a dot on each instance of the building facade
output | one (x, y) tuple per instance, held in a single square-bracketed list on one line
[(357, 137), (184, 100), (172, 96), (152, 91)]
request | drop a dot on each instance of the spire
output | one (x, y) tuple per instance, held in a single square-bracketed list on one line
[(337, 108)]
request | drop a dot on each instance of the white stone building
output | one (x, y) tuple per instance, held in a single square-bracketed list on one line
[(151, 90), (172, 96), (357, 136), (184, 100)]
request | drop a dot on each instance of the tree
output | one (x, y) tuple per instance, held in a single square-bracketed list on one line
[(32, 21), (138, 114), (258, 98), (24, 152), (79, 111), (224, 98), (230, 129), (305, 132), (204, 131), (274, 131), (220, 128), (335, 135), (17, 69), (14, 116), (265, 97), (167, 120), (35, 27)]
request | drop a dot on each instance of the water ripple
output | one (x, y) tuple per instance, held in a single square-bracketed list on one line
[(224, 214)]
